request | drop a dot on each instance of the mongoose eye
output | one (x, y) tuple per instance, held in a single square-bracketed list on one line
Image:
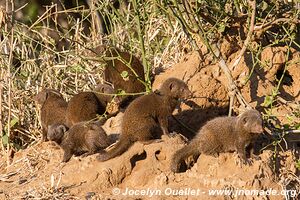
[(245, 120), (171, 86)]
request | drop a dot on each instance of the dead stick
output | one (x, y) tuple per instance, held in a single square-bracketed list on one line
[(265, 26), (246, 42)]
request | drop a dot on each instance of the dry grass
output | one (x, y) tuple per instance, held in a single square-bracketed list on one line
[(32, 58), (51, 51)]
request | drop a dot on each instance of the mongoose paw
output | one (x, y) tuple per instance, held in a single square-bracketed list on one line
[(84, 155), (173, 134), (243, 162), (66, 159), (61, 164), (102, 157), (174, 169), (256, 157), (248, 162)]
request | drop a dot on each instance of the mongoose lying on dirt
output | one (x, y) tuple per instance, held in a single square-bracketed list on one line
[(53, 109), (82, 138), (222, 134), (147, 116)]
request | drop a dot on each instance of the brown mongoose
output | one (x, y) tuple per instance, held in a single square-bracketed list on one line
[(86, 106), (53, 109), (147, 116), (123, 61), (119, 62), (84, 138), (222, 134)]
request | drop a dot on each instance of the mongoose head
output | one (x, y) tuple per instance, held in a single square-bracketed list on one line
[(42, 96), (56, 132), (175, 88), (106, 91), (251, 121)]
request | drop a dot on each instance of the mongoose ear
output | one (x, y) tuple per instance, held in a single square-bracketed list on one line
[(103, 89), (94, 127), (41, 97), (171, 85), (244, 120), (100, 88), (62, 128)]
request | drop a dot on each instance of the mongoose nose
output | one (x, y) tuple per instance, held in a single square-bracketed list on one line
[(189, 94), (259, 129), (48, 137)]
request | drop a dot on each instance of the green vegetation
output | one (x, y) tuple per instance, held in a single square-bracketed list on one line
[(46, 45)]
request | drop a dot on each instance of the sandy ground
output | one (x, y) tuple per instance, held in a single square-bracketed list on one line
[(143, 171)]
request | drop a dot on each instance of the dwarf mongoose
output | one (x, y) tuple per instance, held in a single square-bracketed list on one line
[(124, 62), (147, 116), (222, 134), (82, 138), (53, 109), (86, 106)]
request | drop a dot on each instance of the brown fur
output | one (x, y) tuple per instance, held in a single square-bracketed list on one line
[(53, 109), (147, 116), (86, 106), (84, 138), (114, 68), (222, 134)]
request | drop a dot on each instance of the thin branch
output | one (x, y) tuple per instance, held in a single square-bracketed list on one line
[(239, 56), (96, 18), (233, 89), (142, 46), (1, 125), (8, 75), (186, 29), (268, 25), (246, 42)]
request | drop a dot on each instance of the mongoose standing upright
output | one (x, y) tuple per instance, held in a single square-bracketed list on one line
[(84, 138), (86, 106), (222, 134), (147, 116), (53, 109)]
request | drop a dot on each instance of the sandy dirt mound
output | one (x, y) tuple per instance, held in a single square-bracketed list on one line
[(37, 171)]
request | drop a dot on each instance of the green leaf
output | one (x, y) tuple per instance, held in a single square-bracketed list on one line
[(221, 28), (297, 126), (4, 139), (121, 92), (298, 164), (264, 6), (13, 122), (268, 101), (124, 74), (77, 68), (286, 126)]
